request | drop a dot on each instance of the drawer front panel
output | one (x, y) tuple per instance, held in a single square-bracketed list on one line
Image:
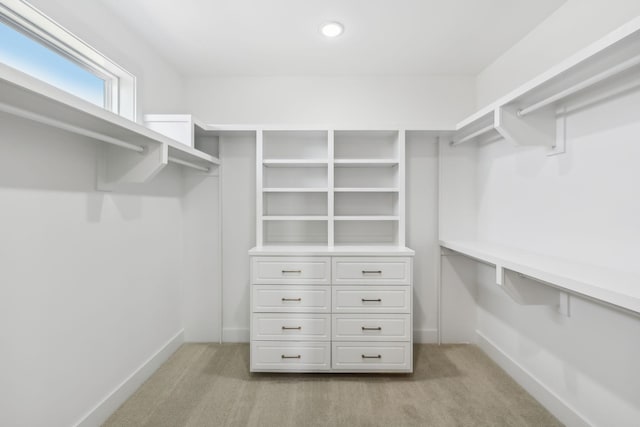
[(371, 327), (291, 270), (290, 356), (291, 327), (385, 357), (291, 299), (372, 271), (373, 299)]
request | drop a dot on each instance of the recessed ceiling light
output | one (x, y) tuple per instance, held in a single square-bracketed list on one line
[(332, 29)]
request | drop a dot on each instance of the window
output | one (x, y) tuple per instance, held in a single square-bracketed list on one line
[(34, 44)]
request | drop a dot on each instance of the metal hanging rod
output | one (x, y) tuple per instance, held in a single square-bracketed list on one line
[(582, 85), (473, 135), (68, 127), (188, 164)]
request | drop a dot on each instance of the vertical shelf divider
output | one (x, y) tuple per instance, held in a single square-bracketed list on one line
[(259, 188), (401, 187), (330, 188)]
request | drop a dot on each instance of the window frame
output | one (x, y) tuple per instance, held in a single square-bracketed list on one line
[(120, 85)]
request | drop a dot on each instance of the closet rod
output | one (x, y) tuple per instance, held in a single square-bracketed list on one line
[(188, 164), (582, 85), (68, 127), (473, 135)]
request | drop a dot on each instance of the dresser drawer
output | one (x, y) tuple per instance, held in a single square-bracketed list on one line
[(371, 271), (291, 327), (371, 327), (382, 357), (290, 356), (291, 299), (291, 270), (371, 299)]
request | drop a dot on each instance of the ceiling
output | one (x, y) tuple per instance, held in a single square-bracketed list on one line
[(281, 37)]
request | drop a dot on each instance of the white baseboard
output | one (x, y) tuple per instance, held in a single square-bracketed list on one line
[(99, 414), (235, 335), (425, 336), (549, 399)]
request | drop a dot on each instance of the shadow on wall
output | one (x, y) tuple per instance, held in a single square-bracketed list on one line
[(39, 158)]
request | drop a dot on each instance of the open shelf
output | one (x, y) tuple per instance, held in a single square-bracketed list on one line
[(295, 217), (527, 115), (607, 286), (295, 163), (354, 163), (294, 190), (132, 152), (366, 190), (367, 218)]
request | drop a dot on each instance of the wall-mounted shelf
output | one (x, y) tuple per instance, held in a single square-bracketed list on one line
[(527, 116), (531, 278), (129, 152), (354, 163)]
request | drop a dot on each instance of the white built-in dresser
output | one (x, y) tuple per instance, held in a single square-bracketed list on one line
[(331, 278)]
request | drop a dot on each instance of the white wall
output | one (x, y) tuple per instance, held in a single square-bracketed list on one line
[(418, 102), (572, 27), (582, 205), (395, 101), (90, 282)]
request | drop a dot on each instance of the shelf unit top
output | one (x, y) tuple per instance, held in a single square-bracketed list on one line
[(336, 250), (33, 99), (617, 288)]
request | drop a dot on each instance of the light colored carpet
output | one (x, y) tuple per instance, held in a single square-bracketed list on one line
[(210, 385)]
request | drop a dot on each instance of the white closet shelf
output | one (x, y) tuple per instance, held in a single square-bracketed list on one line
[(527, 115), (295, 217), (366, 190), (619, 289), (295, 163), (365, 163), (32, 99), (366, 218), (295, 190)]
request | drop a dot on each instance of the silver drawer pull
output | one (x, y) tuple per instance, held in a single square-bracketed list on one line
[(378, 328), (287, 328), (291, 271), (364, 356), (291, 357), (371, 271), (291, 299), (371, 300)]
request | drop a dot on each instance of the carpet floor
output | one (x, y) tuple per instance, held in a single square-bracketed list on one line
[(210, 385)]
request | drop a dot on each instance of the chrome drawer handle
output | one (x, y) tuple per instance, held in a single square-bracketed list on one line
[(286, 328), (291, 271), (291, 357), (371, 271), (371, 300), (291, 299), (372, 357), (379, 328)]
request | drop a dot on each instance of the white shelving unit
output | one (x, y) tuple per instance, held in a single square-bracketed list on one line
[(348, 184), (129, 152), (528, 115)]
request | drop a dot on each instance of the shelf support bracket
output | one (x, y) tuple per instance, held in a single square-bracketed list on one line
[(116, 166), (538, 128), (525, 290)]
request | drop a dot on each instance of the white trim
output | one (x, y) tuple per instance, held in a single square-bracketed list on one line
[(235, 334), (425, 336), (567, 414), (103, 410)]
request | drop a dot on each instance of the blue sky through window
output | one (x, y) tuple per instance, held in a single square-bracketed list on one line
[(29, 56)]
